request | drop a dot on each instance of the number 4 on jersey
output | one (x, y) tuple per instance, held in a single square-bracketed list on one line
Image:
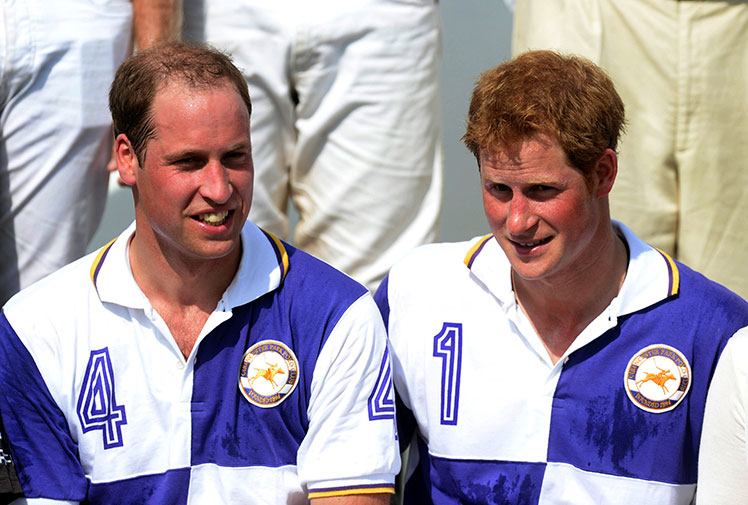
[(382, 400), (97, 407)]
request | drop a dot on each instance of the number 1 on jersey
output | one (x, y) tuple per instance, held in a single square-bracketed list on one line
[(448, 347)]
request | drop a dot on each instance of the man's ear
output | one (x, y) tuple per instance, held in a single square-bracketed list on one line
[(127, 160), (606, 169)]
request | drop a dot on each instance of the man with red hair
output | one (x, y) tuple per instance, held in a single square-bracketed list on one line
[(559, 359)]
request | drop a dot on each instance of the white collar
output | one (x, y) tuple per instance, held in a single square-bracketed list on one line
[(651, 275), (262, 268)]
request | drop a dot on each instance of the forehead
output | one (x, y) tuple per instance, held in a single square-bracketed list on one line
[(184, 111), (175, 93), (538, 153), (180, 90)]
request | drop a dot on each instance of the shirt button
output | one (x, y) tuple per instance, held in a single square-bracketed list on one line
[(180, 364)]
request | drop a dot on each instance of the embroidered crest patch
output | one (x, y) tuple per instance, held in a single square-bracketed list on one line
[(657, 378), (269, 373)]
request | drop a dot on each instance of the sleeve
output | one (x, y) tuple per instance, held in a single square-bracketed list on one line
[(350, 444), (407, 426), (406, 423), (43, 451), (723, 458), (41, 501), (382, 300)]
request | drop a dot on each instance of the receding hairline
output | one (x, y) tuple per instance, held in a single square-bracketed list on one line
[(185, 88), (179, 81)]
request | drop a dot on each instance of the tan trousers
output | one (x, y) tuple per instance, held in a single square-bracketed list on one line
[(681, 68)]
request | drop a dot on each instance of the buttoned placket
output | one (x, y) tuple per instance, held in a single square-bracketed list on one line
[(605, 321)]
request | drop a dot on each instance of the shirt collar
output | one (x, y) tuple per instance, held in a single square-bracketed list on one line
[(262, 268), (651, 275), (490, 266)]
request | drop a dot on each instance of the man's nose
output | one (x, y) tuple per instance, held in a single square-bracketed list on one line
[(216, 185), (521, 215)]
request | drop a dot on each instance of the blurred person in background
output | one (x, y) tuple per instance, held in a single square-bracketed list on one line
[(58, 60), (347, 120), (681, 67)]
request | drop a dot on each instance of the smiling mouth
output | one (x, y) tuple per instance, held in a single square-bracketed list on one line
[(532, 244), (213, 218)]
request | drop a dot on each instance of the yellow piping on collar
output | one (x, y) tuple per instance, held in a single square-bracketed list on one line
[(674, 273), (470, 256), (281, 251), (97, 261)]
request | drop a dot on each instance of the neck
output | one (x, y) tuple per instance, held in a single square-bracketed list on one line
[(560, 309), (184, 291), (177, 280)]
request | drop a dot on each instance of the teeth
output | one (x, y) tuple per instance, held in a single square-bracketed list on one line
[(530, 244), (213, 217)]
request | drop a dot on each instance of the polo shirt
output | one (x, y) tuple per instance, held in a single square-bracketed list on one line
[(285, 396), (616, 419)]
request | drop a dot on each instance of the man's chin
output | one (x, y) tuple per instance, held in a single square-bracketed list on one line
[(209, 250), (529, 270)]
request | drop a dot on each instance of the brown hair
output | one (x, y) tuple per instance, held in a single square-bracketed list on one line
[(567, 97), (142, 75)]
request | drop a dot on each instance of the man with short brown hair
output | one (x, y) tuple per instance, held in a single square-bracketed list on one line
[(195, 358)]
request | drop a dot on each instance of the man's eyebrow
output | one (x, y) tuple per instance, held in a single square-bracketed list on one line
[(177, 155), (538, 181), (192, 153), (242, 144)]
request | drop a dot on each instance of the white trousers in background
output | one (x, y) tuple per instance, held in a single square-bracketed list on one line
[(57, 60), (681, 68), (346, 120)]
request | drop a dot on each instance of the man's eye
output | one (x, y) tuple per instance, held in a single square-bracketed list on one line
[(543, 188), (542, 191), (235, 158), (499, 191)]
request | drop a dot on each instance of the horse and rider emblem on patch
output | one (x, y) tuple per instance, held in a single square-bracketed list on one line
[(657, 378), (269, 373)]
